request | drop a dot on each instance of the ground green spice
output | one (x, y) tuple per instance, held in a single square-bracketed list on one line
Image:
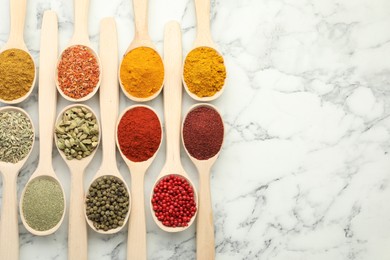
[(16, 136), (43, 204)]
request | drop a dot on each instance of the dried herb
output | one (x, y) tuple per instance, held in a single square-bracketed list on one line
[(77, 133), (78, 71), (107, 203), (43, 204), (17, 73), (16, 136)]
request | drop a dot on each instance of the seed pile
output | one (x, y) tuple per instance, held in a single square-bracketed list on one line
[(43, 204), (107, 203), (173, 201), (77, 133), (16, 136), (78, 71), (203, 132), (17, 73)]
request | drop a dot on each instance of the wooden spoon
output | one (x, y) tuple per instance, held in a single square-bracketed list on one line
[(16, 41), (9, 232), (172, 114), (47, 104), (136, 241), (109, 101), (80, 37), (77, 237), (203, 39), (141, 39), (204, 227)]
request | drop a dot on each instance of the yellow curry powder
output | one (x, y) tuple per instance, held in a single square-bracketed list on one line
[(204, 71), (142, 72), (17, 73)]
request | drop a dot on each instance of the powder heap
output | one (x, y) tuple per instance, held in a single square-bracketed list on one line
[(142, 72), (16, 136), (17, 73), (78, 72), (204, 72), (139, 134), (43, 204), (203, 132)]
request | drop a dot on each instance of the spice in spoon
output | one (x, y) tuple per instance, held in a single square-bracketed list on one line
[(43, 203), (139, 134), (204, 72), (107, 203), (17, 73), (203, 132), (173, 201), (78, 72), (16, 136), (77, 133), (142, 72)]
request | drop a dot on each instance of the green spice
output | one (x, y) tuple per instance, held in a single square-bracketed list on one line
[(77, 133), (16, 136), (107, 203), (43, 204)]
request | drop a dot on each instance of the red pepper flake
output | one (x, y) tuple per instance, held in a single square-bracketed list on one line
[(173, 201), (78, 71)]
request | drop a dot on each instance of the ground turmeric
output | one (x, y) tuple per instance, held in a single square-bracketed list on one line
[(142, 72), (17, 73), (204, 71)]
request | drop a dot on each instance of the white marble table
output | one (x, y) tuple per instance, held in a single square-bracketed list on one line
[(305, 170)]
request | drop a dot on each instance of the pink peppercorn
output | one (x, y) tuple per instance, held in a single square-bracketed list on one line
[(173, 201)]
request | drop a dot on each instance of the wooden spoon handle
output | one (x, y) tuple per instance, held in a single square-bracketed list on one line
[(77, 241), (47, 90), (80, 34), (18, 15), (173, 90), (9, 232), (203, 36), (205, 226), (141, 19), (109, 89), (136, 242)]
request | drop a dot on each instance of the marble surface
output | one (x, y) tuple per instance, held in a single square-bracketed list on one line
[(305, 170)]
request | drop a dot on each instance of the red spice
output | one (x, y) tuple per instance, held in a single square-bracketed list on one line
[(78, 71), (139, 134), (173, 201), (203, 132)]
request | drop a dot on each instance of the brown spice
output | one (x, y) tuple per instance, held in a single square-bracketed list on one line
[(78, 71), (204, 71), (17, 73)]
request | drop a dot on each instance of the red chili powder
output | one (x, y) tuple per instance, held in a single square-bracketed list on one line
[(203, 132), (139, 134), (173, 201), (78, 71)]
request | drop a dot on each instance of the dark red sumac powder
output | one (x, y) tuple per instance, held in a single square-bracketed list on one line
[(203, 132), (139, 134)]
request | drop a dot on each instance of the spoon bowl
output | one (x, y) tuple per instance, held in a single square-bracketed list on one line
[(141, 39), (16, 41), (80, 37), (136, 242), (9, 234), (205, 226)]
